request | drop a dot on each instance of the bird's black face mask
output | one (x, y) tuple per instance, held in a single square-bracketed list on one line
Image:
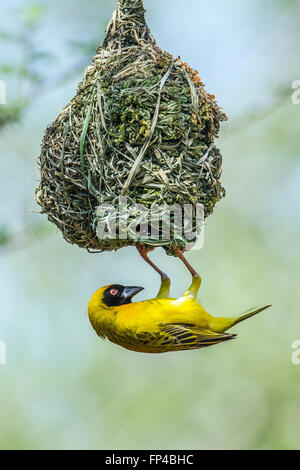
[(117, 295)]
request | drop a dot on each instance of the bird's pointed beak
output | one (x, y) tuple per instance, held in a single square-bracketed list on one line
[(130, 292)]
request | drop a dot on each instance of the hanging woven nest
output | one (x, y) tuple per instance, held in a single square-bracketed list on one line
[(141, 125)]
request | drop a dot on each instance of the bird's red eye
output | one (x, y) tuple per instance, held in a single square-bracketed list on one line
[(113, 291)]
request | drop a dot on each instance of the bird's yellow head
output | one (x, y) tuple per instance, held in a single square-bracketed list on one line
[(113, 295)]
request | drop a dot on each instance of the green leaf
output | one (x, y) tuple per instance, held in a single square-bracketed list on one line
[(7, 69)]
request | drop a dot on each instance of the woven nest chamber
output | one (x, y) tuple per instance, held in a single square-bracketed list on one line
[(141, 125)]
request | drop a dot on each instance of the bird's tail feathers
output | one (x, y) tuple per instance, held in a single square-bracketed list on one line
[(248, 314)]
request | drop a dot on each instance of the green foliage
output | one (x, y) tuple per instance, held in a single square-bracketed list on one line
[(11, 113), (4, 235), (22, 73), (32, 14)]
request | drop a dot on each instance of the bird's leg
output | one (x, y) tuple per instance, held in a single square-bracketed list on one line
[(164, 290), (197, 280)]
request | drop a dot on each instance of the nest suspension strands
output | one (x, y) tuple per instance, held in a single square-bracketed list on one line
[(141, 125)]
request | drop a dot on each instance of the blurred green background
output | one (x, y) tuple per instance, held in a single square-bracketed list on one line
[(64, 388)]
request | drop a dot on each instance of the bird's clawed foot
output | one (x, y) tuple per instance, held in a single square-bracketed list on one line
[(144, 250), (165, 280)]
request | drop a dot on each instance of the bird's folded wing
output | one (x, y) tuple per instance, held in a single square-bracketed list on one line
[(190, 336)]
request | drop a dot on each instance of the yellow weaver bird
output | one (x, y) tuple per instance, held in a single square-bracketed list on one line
[(161, 324)]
